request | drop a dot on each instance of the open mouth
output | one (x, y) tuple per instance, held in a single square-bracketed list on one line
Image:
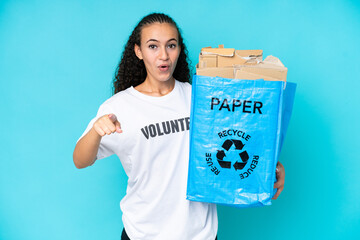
[(164, 68)]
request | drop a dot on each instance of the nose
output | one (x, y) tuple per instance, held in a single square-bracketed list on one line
[(164, 54)]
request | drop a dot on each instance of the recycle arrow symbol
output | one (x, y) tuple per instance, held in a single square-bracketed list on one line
[(240, 165), (238, 146), (220, 156), (228, 143)]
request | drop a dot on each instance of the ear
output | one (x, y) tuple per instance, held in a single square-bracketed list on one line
[(137, 51)]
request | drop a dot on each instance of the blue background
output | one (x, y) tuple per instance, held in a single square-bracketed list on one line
[(57, 61)]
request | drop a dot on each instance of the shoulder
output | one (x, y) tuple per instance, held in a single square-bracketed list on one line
[(116, 99)]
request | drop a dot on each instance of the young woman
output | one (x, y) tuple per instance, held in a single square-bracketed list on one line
[(151, 90)]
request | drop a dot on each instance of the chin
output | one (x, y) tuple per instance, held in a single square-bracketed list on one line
[(162, 77), (165, 78)]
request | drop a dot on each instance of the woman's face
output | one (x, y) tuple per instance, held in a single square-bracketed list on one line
[(159, 49)]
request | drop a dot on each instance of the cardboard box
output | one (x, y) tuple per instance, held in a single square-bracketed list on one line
[(239, 64), (227, 57)]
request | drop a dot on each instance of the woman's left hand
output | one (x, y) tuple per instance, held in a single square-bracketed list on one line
[(280, 176)]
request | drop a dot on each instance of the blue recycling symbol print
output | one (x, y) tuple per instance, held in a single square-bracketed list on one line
[(238, 146)]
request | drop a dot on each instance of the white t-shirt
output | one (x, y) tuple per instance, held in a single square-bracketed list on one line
[(154, 151)]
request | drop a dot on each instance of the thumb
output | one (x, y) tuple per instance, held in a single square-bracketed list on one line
[(114, 120), (112, 117)]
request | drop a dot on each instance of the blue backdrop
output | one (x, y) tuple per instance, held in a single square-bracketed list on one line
[(57, 61)]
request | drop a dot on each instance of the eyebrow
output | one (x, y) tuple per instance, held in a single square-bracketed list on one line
[(154, 40)]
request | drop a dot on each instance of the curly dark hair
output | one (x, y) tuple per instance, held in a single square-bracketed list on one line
[(131, 70)]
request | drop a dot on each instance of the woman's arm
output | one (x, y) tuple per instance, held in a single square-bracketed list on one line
[(87, 147), (280, 175)]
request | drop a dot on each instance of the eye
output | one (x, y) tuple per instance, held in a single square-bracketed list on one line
[(172, 45), (152, 46)]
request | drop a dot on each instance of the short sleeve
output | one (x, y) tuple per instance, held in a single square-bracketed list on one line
[(107, 142)]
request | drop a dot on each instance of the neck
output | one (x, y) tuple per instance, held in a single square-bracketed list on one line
[(156, 88)]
